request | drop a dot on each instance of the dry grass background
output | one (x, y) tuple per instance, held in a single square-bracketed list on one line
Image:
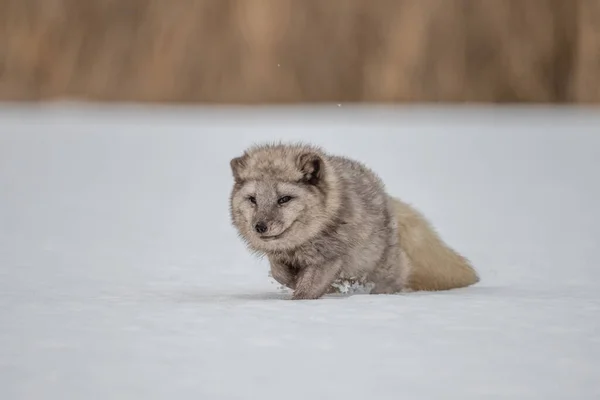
[(251, 51)]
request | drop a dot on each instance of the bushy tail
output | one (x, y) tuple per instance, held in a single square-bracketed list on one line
[(434, 265)]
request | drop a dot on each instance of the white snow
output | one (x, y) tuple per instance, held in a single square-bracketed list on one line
[(122, 278)]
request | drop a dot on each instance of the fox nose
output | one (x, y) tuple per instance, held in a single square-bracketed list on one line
[(260, 227)]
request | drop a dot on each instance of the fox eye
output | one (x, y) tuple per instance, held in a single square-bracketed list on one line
[(252, 199), (284, 199)]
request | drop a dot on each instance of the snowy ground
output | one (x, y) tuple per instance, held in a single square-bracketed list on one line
[(121, 277)]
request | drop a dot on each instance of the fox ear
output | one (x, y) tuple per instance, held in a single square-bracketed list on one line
[(311, 166), (236, 166)]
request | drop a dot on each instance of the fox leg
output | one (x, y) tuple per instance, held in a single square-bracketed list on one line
[(314, 281), (284, 274)]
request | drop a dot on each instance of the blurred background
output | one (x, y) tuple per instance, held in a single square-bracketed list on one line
[(292, 51)]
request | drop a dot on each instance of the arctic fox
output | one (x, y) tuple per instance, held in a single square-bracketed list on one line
[(320, 218)]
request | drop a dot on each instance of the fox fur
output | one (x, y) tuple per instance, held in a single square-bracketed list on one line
[(321, 218)]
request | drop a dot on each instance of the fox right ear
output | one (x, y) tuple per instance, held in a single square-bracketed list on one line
[(236, 165), (311, 166)]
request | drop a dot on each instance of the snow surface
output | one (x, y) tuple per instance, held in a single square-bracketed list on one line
[(122, 278)]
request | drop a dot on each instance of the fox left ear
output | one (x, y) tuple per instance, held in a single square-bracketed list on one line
[(236, 166), (311, 165)]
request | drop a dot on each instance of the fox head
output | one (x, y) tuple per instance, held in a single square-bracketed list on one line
[(280, 196)]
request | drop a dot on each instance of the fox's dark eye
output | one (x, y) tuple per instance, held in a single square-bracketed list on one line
[(284, 199), (252, 199)]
